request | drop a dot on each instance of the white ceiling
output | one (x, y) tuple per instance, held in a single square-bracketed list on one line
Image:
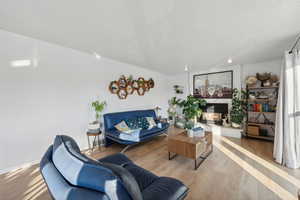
[(161, 35)]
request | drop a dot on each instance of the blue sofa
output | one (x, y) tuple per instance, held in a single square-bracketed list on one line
[(70, 175), (112, 119)]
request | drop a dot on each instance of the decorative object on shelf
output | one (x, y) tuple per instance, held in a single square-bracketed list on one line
[(178, 89), (251, 81), (274, 80), (264, 77), (225, 121), (237, 113), (213, 85), (127, 85)]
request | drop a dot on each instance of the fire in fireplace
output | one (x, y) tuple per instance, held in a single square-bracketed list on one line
[(214, 112)]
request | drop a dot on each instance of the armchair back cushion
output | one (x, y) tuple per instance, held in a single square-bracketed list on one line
[(111, 119)]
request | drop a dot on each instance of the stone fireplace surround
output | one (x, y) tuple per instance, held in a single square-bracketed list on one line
[(214, 113), (217, 128)]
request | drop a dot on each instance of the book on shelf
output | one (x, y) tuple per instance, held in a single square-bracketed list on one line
[(259, 107)]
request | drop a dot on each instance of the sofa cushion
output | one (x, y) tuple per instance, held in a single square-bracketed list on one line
[(122, 126), (84, 172), (151, 122), (142, 123), (132, 123)]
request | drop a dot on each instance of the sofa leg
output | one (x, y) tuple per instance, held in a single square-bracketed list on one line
[(125, 148)]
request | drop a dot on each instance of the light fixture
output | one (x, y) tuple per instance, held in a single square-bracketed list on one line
[(20, 63), (186, 68), (97, 56), (229, 60)]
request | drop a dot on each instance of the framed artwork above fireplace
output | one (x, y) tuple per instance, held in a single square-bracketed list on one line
[(216, 85)]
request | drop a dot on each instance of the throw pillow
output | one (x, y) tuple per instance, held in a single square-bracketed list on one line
[(142, 123), (151, 122), (132, 123), (122, 126)]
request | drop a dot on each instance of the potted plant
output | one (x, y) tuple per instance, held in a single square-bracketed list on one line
[(172, 110), (98, 108), (192, 107), (237, 113)]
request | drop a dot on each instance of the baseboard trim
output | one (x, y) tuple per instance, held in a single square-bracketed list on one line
[(24, 165)]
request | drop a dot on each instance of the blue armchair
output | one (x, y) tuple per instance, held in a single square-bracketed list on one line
[(70, 175), (112, 134)]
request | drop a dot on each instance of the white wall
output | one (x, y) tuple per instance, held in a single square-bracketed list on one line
[(36, 103)]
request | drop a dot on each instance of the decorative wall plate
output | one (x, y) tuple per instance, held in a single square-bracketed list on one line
[(151, 83), (122, 93), (146, 86), (141, 91), (130, 89), (135, 85), (113, 87), (122, 82)]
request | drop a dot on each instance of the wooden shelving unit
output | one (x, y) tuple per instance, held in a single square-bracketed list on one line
[(267, 125)]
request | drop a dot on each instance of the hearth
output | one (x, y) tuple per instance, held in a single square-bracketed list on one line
[(213, 113)]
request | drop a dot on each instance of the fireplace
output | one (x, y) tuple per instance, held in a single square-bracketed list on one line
[(213, 113)]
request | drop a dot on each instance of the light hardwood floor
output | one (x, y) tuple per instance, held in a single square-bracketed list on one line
[(237, 169)]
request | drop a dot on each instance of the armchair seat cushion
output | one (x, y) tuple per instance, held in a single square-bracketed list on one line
[(152, 187), (165, 188), (143, 177)]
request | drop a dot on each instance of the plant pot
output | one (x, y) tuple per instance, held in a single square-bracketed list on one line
[(190, 133), (235, 125)]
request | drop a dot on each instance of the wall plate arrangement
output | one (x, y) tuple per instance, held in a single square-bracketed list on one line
[(125, 86)]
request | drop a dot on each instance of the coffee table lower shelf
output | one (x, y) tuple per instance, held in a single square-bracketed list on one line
[(197, 161)]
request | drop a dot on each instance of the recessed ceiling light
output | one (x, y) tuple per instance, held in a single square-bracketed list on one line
[(229, 60), (20, 63), (186, 68), (97, 55)]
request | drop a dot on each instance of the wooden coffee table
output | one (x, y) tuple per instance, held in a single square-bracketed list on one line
[(196, 148)]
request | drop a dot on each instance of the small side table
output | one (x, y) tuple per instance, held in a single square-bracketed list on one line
[(96, 137)]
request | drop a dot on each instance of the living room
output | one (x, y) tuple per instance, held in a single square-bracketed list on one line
[(139, 86)]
